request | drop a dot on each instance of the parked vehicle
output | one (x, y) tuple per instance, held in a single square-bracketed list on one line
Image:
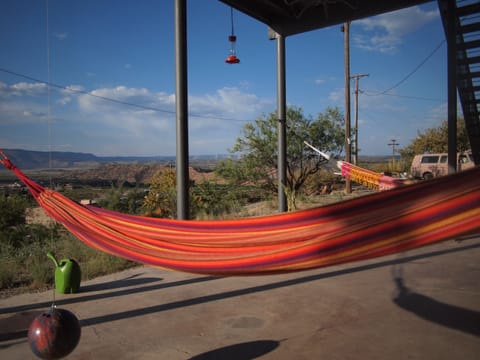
[(428, 166)]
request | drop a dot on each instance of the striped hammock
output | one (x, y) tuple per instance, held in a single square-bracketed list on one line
[(383, 223), (369, 178)]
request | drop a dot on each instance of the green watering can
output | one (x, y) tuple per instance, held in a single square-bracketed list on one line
[(67, 275)]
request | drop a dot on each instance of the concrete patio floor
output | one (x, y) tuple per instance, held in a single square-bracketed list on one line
[(424, 304)]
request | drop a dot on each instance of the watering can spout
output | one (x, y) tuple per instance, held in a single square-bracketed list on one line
[(52, 257)]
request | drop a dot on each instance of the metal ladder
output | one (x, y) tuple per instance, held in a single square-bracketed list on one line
[(467, 15)]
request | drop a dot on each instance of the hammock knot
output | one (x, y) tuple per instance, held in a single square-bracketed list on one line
[(6, 161)]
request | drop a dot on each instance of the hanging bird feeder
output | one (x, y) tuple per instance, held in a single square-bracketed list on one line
[(232, 58)]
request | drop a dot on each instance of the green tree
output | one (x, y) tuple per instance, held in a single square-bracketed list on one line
[(216, 200), (206, 198), (161, 200), (258, 149), (435, 140), (123, 200)]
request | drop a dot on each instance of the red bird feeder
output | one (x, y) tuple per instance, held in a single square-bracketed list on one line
[(232, 58)]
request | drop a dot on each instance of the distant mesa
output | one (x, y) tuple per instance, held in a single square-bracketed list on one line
[(28, 159)]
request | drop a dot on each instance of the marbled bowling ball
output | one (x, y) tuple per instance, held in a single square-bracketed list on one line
[(54, 334)]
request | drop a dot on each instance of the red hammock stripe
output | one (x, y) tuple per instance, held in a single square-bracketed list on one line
[(368, 178), (386, 222)]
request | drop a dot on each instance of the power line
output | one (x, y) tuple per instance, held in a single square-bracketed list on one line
[(83, 92), (410, 73), (405, 96)]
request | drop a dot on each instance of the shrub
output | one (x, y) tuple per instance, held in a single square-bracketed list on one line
[(12, 210), (41, 271), (8, 272), (24, 262)]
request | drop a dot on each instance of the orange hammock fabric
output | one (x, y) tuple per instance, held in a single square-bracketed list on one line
[(369, 178), (360, 175), (386, 222)]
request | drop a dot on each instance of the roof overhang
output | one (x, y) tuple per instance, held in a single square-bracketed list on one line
[(290, 17)]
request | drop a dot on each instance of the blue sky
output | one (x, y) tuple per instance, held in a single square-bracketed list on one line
[(124, 50)]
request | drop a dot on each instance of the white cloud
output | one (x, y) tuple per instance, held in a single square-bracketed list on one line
[(74, 88), (324, 80), (65, 100), (20, 105), (437, 114), (384, 33), (228, 102), (135, 121), (61, 36), (212, 124), (23, 89), (337, 96), (31, 114), (68, 93), (14, 113), (29, 88), (122, 98)]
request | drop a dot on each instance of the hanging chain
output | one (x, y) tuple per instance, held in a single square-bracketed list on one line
[(231, 19)]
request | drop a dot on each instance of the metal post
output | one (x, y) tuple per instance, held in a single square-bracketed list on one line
[(181, 97), (346, 34), (282, 118), (452, 86), (357, 80), (355, 135), (393, 144)]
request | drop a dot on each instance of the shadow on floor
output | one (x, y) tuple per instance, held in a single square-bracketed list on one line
[(451, 316), (132, 280), (243, 351), (16, 326), (403, 299), (127, 289), (260, 288)]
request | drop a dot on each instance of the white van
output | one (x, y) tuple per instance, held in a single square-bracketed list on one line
[(428, 166)]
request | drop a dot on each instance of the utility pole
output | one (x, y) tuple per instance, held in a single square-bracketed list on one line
[(346, 38), (357, 78), (393, 143)]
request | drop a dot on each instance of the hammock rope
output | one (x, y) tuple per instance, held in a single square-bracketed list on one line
[(383, 223)]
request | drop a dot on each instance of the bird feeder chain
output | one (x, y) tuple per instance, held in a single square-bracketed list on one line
[(232, 58)]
